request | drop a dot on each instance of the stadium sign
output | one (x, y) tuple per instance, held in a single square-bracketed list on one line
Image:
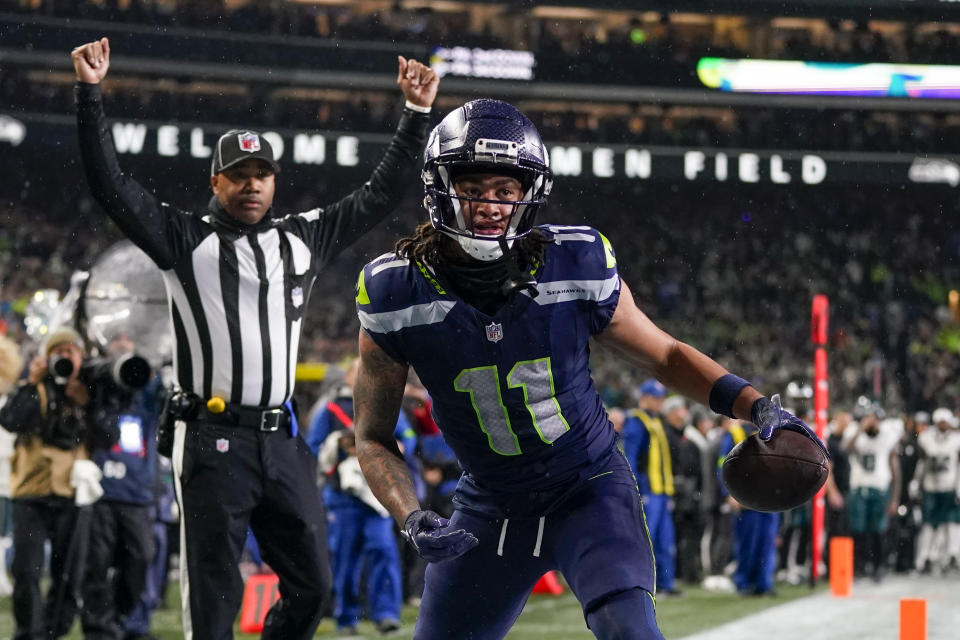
[(12, 130), (573, 161), (690, 165), (933, 170), (501, 64), (45, 137), (171, 140)]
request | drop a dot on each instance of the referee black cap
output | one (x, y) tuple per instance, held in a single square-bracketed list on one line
[(237, 145)]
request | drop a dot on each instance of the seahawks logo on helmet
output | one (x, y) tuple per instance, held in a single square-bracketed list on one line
[(484, 136)]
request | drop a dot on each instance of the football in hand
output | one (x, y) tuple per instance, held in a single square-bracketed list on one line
[(775, 475)]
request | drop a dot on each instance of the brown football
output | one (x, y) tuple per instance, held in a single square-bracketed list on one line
[(776, 475)]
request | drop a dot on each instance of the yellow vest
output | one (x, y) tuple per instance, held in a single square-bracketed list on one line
[(739, 434), (659, 464)]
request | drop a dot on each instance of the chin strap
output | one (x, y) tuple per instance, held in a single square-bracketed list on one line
[(516, 279)]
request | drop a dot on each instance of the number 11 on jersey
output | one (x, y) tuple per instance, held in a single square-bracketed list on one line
[(535, 378)]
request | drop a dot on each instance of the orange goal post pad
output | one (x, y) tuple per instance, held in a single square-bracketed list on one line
[(259, 594), (549, 584)]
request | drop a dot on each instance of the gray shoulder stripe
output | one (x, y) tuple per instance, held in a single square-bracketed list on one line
[(413, 316), (561, 237), (392, 264), (557, 228)]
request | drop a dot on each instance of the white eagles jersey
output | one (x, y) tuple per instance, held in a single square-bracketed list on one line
[(870, 457), (941, 453)]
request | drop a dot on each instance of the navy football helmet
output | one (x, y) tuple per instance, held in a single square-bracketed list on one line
[(484, 136)]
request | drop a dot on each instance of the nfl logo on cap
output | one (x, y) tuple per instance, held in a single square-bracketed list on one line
[(249, 142), (223, 445), (494, 332)]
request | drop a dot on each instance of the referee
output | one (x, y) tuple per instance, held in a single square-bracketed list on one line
[(238, 276)]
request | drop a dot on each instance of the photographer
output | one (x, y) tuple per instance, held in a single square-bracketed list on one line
[(51, 474), (126, 399)]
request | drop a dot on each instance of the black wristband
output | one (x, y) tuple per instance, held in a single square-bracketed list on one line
[(724, 393)]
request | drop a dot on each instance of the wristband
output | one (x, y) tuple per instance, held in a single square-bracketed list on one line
[(416, 107), (724, 393)]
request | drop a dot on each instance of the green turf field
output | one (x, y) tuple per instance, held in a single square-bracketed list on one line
[(553, 617)]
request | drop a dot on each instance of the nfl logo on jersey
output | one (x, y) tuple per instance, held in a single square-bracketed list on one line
[(494, 332), (223, 445), (249, 142)]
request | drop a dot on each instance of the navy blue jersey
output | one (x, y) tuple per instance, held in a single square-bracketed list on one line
[(511, 392)]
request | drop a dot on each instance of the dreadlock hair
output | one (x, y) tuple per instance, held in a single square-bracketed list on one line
[(431, 245)]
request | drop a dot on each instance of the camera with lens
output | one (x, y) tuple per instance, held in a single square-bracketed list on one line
[(60, 368), (112, 383), (125, 373)]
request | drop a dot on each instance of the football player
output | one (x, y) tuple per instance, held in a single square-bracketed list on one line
[(874, 487), (495, 314), (937, 474)]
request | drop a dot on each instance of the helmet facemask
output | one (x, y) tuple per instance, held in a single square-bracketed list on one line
[(457, 214), (452, 213)]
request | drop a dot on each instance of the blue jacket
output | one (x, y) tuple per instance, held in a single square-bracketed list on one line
[(130, 466)]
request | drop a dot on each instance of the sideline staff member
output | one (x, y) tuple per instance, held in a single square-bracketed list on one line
[(241, 259), (49, 414)]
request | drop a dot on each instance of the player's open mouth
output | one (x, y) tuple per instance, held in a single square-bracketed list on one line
[(489, 229)]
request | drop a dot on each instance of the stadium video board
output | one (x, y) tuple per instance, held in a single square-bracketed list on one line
[(830, 78)]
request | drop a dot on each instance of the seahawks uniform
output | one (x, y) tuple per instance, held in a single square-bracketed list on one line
[(546, 485)]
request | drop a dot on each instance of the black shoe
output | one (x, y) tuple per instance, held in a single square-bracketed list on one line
[(388, 625)]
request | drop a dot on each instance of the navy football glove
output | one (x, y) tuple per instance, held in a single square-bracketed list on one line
[(433, 537), (769, 416)]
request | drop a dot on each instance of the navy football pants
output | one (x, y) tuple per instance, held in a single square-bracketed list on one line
[(596, 537)]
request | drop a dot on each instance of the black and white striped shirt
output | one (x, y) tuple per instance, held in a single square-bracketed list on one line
[(237, 294)]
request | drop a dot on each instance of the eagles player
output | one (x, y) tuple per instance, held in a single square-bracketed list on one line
[(495, 314), (938, 475)]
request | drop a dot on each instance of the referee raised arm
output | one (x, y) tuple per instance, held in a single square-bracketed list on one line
[(238, 276)]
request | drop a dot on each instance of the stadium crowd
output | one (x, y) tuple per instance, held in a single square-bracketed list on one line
[(886, 264), (579, 47), (725, 268)]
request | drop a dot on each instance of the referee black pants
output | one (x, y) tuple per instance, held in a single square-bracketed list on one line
[(230, 478)]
